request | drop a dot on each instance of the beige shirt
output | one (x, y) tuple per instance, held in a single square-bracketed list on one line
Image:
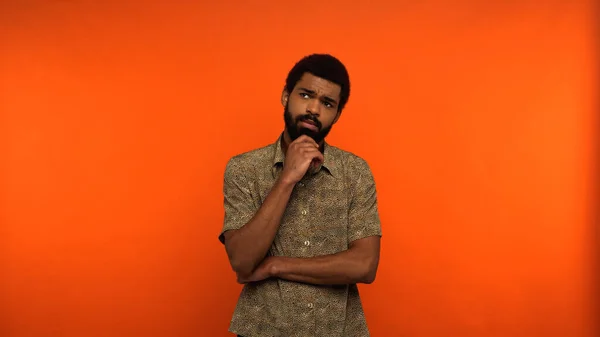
[(326, 211)]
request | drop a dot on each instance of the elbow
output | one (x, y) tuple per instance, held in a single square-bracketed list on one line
[(369, 277), (241, 267), (369, 272)]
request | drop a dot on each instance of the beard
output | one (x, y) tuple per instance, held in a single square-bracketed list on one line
[(296, 131)]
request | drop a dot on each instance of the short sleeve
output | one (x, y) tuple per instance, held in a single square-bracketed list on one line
[(363, 217), (237, 198)]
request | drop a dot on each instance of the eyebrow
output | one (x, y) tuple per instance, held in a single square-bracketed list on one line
[(326, 98)]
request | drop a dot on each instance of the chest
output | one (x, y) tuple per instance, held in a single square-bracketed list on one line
[(315, 221)]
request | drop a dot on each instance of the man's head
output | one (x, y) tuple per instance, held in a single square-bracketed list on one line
[(316, 91)]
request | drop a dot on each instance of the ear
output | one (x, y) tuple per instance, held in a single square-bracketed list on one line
[(285, 96)]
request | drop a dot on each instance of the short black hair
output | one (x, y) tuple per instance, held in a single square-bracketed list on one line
[(324, 66)]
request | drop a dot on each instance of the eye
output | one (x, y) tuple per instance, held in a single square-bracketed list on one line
[(304, 95), (327, 104)]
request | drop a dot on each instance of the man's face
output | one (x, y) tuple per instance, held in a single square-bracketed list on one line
[(311, 108)]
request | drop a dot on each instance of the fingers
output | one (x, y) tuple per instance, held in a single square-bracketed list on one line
[(305, 139), (309, 148), (310, 151), (318, 158), (315, 157), (305, 147)]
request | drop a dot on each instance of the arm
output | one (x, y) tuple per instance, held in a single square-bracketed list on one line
[(247, 246), (358, 264), (248, 232)]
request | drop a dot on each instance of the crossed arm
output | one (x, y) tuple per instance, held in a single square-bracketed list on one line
[(247, 247), (358, 264)]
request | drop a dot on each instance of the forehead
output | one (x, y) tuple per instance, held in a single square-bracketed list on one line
[(319, 85)]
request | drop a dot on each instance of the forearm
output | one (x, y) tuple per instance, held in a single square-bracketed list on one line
[(248, 245), (347, 267)]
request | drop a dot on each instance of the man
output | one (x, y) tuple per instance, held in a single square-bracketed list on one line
[(301, 225)]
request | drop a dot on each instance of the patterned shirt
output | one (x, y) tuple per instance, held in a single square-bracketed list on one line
[(327, 210)]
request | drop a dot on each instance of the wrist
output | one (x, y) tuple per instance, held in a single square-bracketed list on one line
[(286, 182), (275, 266)]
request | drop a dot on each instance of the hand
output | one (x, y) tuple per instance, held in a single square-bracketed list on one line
[(302, 154), (265, 270)]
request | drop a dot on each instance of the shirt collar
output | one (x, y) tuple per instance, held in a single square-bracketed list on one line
[(330, 162)]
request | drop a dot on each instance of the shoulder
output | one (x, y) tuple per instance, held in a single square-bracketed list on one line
[(351, 161), (245, 162)]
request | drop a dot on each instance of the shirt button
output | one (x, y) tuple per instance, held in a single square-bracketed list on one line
[(301, 184), (304, 212), (310, 305), (307, 243)]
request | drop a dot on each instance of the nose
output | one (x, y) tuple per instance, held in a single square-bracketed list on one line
[(314, 107)]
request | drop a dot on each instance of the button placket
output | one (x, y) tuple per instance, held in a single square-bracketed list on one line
[(304, 220)]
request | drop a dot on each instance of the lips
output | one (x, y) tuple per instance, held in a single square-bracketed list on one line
[(309, 125), (309, 122)]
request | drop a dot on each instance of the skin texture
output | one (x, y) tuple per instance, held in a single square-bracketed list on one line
[(313, 100)]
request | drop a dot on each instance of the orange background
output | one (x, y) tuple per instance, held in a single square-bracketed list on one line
[(117, 119)]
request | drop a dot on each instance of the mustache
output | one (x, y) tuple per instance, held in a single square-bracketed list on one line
[(311, 118)]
